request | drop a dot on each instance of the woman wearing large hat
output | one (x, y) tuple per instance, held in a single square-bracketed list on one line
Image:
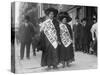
[(49, 38), (66, 53)]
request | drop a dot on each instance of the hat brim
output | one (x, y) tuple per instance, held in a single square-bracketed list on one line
[(61, 16), (55, 11)]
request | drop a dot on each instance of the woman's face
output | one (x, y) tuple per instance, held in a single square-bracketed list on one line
[(64, 20), (51, 15)]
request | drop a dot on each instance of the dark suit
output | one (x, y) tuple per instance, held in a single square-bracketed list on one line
[(77, 33), (83, 39), (26, 34)]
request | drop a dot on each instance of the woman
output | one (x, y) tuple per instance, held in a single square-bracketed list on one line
[(49, 39), (66, 52)]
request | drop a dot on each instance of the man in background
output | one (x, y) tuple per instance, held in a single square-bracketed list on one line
[(26, 34), (77, 33)]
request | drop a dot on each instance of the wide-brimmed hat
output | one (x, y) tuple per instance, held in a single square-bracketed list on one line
[(48, 10), (62, 15)]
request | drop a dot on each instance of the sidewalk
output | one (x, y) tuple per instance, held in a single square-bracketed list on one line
[(82, 61)]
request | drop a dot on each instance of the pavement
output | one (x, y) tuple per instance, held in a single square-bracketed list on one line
[(82, 61)]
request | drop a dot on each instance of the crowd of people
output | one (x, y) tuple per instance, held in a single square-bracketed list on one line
[(84, 36), (55, 38)]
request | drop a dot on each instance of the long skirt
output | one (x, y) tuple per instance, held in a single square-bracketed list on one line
[(66, 53), (49, 53)]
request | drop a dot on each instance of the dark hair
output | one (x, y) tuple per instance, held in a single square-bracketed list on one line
[(62, 15), (55, 11)]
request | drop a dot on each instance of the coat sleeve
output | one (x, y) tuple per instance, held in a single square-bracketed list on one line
[(32, 29), (70, 31), (20, 32), (56, 23)]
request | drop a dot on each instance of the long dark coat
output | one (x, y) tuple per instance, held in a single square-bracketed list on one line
[(49, 53), (77, 29), (66, 53), (25, 34)]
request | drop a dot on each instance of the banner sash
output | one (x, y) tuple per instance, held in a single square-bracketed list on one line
[(50, 32), (65, 35)]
